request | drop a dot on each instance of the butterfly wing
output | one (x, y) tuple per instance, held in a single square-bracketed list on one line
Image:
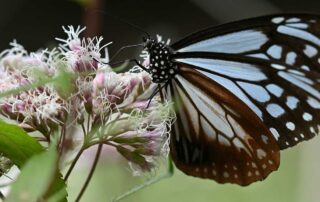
[(271, 64), (216, 135), (268, 37)]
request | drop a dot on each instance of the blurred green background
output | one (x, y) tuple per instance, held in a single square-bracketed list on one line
[(35, 24), (297, 180)]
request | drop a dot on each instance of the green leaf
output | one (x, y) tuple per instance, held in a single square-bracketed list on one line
[(16, 144), (60, 196), (63, 83), (39, 180), (57, 190)]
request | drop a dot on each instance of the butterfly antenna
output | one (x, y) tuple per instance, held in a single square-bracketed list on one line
[(136, 27), (122, 48)]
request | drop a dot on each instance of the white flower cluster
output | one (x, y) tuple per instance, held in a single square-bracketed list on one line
[(117, 103)]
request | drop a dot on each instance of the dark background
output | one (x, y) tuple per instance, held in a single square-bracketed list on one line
[(35, 23)]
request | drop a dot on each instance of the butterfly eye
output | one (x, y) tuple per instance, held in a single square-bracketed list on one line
[(147, 43), (144, 39)]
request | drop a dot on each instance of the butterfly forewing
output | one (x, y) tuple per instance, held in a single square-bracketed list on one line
[(271, 64), (297, 31), (216, 135)]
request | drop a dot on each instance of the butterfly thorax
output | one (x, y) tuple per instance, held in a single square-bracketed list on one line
[(160, 67)]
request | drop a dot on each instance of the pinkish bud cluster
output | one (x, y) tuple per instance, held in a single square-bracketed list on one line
[(35, 109), (113, 108)]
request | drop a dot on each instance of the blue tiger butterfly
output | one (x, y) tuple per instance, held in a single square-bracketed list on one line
[(243, 91)]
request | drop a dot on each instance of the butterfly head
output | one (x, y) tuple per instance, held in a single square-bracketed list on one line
[(160, 66)]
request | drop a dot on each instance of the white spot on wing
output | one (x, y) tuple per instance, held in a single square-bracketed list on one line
[(313, 103), (275, 51), (275, 110), (305, 67), (261, 153), (307, 117), (225, 174), (292, 102), (254, 165), (277, 20), (214, 172), (299, 34), (290, 126), (294, 19), (275, 133), (310, 51), (291, 58), (264, 139), (255, 91), (277, 66), (275, 89)]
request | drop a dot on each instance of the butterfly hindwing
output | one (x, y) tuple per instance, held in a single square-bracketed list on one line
[(216, 135)]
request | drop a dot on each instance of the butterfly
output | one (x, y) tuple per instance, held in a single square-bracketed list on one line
[(243, 91)]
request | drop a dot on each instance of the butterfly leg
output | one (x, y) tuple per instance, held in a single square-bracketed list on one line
[(169, 173), (157, 91), (128, 61)]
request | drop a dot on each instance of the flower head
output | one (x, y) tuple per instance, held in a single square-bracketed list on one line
[(116, 107), (83, 55)]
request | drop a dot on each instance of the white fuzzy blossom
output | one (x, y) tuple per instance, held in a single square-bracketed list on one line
[(117, 106)]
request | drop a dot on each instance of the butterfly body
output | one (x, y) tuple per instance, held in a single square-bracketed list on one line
[(161, 66), (242, 92)]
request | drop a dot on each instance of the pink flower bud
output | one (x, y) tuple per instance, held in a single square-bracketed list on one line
[(146, 62), (85, 65), (75, 45), (99, 81)]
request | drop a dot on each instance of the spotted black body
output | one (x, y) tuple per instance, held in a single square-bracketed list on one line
[(161, 67)]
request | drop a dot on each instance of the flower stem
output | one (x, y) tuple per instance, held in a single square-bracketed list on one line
[(62, 139), (93, 168), (88, 123), (75, 160)]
